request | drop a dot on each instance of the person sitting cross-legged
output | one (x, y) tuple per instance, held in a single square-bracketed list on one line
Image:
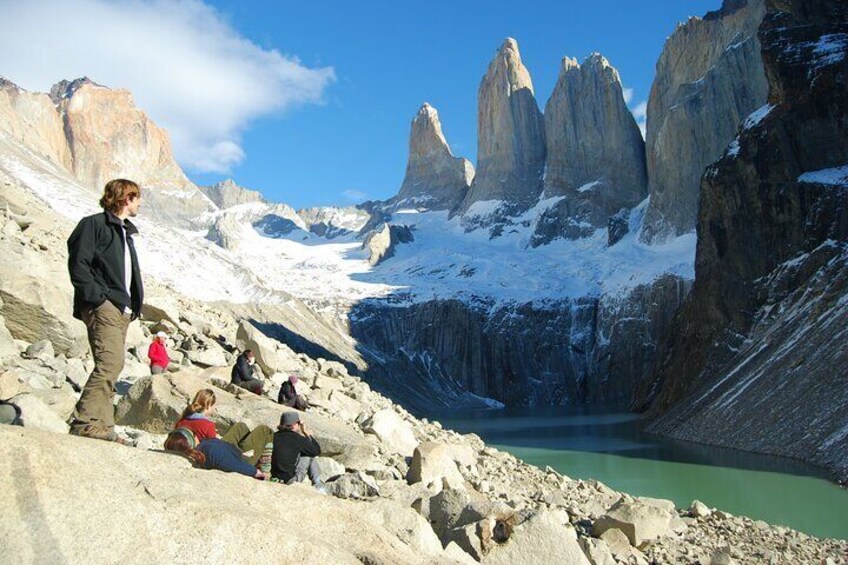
[(294, 453)]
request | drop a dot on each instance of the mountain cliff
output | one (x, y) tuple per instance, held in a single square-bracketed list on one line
[(763, 336), (709, 77)]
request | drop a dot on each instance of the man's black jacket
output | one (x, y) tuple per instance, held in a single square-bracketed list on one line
[(96, 264), (288, 447), (242, 371)]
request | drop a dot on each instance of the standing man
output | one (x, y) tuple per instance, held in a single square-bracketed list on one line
[(158, 354), (108, 294), (242, 373)]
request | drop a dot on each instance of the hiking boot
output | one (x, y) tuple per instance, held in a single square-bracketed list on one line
[(97, 431)]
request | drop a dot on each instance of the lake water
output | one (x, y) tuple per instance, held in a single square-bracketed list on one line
[(595, 443)]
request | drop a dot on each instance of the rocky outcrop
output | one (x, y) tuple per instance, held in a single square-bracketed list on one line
[(381, 242), (227, 193), (332, 222), (762, 338), (595, 152), (435, 179), (709, 77), (510, 135), (30, 119)]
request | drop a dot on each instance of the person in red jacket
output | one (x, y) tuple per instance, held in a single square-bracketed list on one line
[(158, 355)]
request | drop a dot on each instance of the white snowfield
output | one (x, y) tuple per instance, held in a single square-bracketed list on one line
[(442, 262)]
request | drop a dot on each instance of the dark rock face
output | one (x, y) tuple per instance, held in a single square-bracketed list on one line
[(709, 77), (595, 152), (583, 350), (763, 336)]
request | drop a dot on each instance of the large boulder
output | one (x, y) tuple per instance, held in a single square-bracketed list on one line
[(392, 430), (546, 537), (642, 520), (51, 484), (264, 348), (434, 460), (403, 522), (35, 413)]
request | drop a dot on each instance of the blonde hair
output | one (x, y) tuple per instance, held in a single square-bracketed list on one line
[(202, 400), (117, 192)]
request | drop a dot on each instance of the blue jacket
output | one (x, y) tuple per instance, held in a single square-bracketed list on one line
[(224, 456)]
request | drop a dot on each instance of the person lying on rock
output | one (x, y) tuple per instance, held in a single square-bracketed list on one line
[(242, 375), (294, 453), (289, 397), (212, 453), (158, 354)]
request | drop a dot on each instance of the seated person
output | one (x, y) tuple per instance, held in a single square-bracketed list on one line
[(211, 453), (294, 452), (242, 375), (289, 396), (197, 415)]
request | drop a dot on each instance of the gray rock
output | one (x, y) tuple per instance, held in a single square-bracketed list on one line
[(328, 468), (435, 179), (595, 151), (709, 78), (699, 510), (355, 485), (432, 460), (393, 431), (35, 413), (42, 350), (227, 194), (382, 241), (546, 537), (641, 520), (511, 135), (618, 226), (596, 551)]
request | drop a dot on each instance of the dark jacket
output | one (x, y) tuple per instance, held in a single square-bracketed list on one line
[(242, 371), (288, 394), (96, 264), (224, 456), (288, 447)]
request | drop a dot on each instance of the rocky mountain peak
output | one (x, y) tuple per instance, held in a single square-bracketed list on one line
[(7, 84), (434, 177), (595, 152), (510, 135), (227, 193), (65, 89)]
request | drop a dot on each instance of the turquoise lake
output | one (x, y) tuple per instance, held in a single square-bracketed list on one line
[(610, 446)]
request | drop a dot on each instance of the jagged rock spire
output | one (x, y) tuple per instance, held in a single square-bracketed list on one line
[(510, 134), (434, 177)]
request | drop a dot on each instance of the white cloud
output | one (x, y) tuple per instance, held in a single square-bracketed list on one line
[(355, 196), (186, 66), (640, 112), (628, 95)]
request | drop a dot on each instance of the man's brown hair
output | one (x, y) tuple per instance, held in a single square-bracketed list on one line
[(117, 192)]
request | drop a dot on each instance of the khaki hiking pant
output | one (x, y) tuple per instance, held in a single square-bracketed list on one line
[(241, 436), (107, 332)]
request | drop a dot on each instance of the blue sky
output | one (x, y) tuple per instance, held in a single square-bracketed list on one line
[(310, 102)]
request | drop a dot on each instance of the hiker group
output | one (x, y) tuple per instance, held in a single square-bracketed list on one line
[(108, 295)]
